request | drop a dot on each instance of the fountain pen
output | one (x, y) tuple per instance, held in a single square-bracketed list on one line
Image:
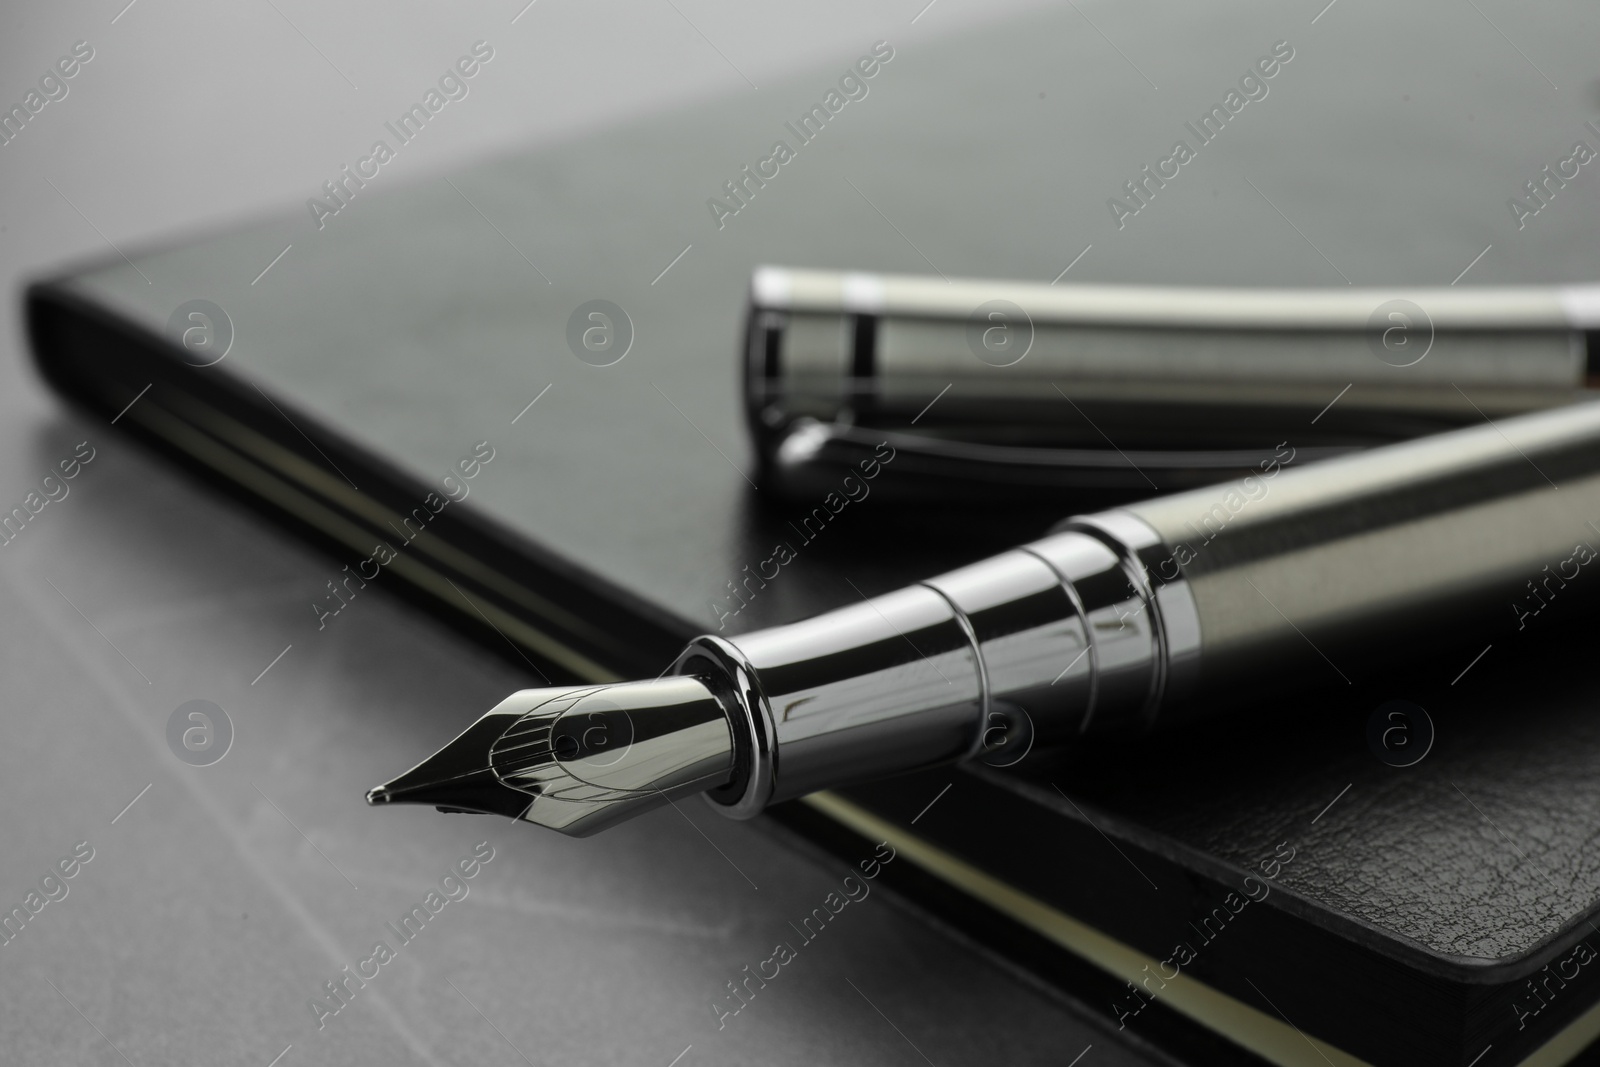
[(1114, 623)]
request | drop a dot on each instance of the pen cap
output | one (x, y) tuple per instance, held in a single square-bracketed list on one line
[(999, 389)]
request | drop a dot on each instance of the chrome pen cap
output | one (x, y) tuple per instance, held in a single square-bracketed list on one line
[(1000, 389)]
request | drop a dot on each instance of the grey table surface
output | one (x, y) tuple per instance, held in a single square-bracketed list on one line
[(220, 899)]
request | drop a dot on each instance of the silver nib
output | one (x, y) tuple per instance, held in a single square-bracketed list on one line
[(579, 758)]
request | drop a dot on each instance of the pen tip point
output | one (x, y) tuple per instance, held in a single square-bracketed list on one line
[(377, 796)]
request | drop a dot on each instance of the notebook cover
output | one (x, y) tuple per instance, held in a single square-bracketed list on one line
[(1429, 914)]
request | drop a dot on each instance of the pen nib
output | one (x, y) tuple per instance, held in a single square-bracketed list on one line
[(577, 758)]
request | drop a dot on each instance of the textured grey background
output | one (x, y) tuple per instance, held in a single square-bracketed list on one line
[(225, 896)]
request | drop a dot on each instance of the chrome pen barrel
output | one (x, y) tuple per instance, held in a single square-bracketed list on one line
[(1140, 614), (1039, 645), (1118, 621), (1330, 569), (866, 690)]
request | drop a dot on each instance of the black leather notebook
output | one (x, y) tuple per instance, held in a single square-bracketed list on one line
[(397, 380)]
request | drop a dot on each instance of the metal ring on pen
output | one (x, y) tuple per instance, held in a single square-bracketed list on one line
[(984, 689), (755, 738), (1171, 602), (1112, 529), (1090, 644)]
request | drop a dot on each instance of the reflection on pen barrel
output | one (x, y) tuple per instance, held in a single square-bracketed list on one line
[(1065, 629), (1142, 614)]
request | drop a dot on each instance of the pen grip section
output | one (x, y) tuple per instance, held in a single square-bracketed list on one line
[(1034, 647), (873, 689)]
